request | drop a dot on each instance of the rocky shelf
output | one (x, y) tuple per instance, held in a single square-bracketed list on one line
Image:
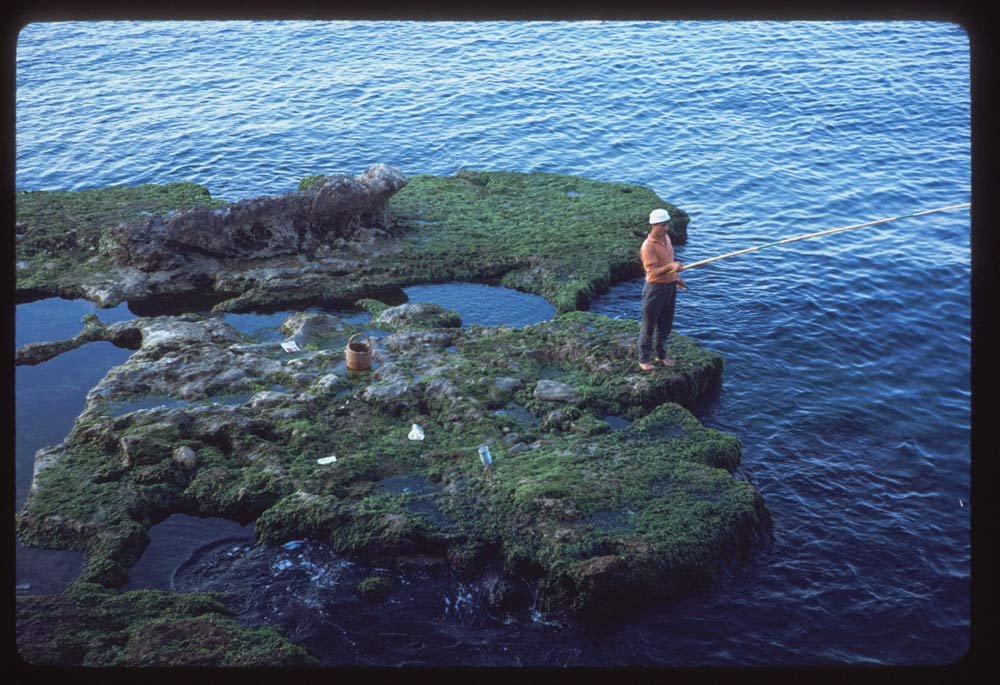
[(604, 490), (169, 248), (95, 627)]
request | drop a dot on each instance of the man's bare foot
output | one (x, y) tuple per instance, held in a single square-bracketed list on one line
[(666, 361), (646, 366)]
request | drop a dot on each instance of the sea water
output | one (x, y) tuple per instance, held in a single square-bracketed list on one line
[(847, 373)]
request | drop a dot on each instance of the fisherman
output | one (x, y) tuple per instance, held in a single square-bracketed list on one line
[(660, 291)]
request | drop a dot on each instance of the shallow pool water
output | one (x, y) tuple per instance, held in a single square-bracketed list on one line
[(485, 305)]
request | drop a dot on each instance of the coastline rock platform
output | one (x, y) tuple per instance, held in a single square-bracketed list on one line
[(173, 248), (604, 490), (586, 515)]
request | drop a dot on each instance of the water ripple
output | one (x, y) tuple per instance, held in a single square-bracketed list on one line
[(847, 359)]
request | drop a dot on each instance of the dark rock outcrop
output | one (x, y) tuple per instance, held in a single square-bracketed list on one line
[(342, 208)]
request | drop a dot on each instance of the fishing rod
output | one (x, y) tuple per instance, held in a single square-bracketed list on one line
[(817, 234)]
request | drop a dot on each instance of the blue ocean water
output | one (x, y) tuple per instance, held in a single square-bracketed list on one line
[(847, 358)]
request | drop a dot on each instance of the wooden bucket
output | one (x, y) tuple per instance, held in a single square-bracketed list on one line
[(359, 354)]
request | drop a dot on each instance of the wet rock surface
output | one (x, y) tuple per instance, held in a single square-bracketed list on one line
[(576, 515), (174, 248), (257, 458), (552, 391), (93, 627), (418, 314)]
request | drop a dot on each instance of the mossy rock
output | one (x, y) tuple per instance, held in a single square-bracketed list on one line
[(95, 627), (62, 229), (596, 516), (566, 238), (311, 181), (375, 588)]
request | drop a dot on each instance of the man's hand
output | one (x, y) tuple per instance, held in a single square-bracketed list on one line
[(681, 283), (671, 268)]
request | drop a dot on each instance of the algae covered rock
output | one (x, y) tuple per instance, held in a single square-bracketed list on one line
[(576, 514), (374, 588), (565, 238), (336, 240), (62, 230), (94, 627)]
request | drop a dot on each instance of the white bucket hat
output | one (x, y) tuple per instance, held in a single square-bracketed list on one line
[(658, 216)]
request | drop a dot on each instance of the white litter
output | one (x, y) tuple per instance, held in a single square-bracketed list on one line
[(326, 460), (290, 346), (416, 433), (484, 455), (961, 503)]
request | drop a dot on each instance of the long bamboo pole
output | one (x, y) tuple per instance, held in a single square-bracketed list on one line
[(817, 234)]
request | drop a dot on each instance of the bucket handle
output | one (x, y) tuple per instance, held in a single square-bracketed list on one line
[(360, 335)]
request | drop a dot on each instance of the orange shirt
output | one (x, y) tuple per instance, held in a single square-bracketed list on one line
[(657, 254)]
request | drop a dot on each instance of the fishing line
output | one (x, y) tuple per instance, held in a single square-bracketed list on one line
[(820, 233)]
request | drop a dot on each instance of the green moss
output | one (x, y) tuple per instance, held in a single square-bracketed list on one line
[(522, 227), (549, 509), (100, 207), (566, 238), (311, 181), (569, 502), (63, 228), (374, 588), (241, 494), (74, 507), (300, 514), (525, 228), (372, 306), (92, 626)]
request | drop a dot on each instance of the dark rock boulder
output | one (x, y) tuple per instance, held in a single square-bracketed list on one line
[(341, 208)]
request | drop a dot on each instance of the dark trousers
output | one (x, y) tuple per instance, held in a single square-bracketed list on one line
[(657, 319)]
